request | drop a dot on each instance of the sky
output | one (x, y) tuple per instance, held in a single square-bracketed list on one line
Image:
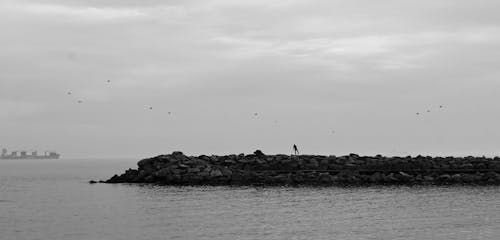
[(224, 76)]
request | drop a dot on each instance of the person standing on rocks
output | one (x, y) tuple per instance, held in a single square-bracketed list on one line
[(295, 149)]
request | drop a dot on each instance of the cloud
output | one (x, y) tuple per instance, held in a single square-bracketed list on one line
[(358, 65), (77, 12), (388, 52)]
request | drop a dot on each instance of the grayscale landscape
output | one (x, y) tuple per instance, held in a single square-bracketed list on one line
[(226, 119)]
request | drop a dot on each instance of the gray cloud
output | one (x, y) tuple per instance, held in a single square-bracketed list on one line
[(361, 68)]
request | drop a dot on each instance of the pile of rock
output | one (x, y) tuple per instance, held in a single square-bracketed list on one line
[(261, 169)]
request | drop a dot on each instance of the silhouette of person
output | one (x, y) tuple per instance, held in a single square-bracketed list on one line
[(295, 149)]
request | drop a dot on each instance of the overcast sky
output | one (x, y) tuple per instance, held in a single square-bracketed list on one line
[(333, 77)]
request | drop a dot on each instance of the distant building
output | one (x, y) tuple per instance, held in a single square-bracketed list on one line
[(23, 154)]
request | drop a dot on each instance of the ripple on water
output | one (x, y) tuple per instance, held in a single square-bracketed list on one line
[(49, 203)]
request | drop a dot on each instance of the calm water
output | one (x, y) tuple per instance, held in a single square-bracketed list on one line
[(51, 199)]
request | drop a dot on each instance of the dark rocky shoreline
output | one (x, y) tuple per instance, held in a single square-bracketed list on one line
[(261, 169)]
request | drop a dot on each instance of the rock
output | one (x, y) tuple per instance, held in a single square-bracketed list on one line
[(419, 178), (480, 166), (141, 175), (177, 154), (312, 164), (258, 168), (391, 178), (298, 178), (262, 163), (160, 164), (444, 178), (468, 178), (376, 178), (359, 162), (146, 163), (192, 179), (348, 176), (350, 166), (323, 164), (229, 162), (226, 172), (113, 179), (282, 179), (492, 176), (205, 173), (428, 179), (193, 170), (334, 166), (290, 164), (353, 156), (404, 177), (445, 166), (92, 182), (182, 166), (149, 179), (456, 178), (324, 178), (259, 154), (172, 178), (216, 173), (404, 174), (162, 172)]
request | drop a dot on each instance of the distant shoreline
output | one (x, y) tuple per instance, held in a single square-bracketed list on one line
[(261, 169)]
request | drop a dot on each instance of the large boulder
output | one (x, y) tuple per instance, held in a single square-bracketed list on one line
[(177, 154), (325, 178), (492, 176), (216, 173), (377, 178), (312, 164), (226, 172), (404, 177), (162, 173), (147, 163), (444, 178), (289, 164), (259, 154), (282, 179)]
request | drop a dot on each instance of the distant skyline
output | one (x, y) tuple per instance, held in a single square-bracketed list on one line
[(223, 76)]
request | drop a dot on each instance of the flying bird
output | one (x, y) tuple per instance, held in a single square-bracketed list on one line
[(169, 113), (69, 92), (255, 114), (80, 101)]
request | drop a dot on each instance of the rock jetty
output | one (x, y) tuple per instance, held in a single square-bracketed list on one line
[(261, 169)]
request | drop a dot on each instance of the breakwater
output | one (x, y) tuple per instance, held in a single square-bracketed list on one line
[(261, 169)]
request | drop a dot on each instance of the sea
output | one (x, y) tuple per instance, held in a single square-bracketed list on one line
[(52, 199)]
